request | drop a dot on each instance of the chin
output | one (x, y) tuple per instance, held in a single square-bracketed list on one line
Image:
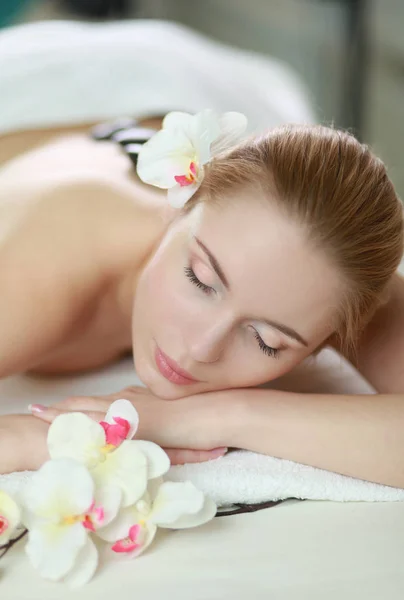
[(165, 394), (168, 391)]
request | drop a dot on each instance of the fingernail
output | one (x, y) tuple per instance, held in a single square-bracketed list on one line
[(36, 408)]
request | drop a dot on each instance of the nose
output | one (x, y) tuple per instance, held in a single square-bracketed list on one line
[(206, 344)]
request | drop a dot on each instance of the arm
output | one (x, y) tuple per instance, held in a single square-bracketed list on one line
[(361, 435), (22, 443)]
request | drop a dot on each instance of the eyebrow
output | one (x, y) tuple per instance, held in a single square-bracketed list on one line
[(218, 269), (219, 272), (287, 331)]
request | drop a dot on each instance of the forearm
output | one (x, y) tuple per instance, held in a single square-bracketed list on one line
[(22, 443), (361, 436)]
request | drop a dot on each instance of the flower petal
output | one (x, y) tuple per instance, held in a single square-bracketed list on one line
[(53, 549), (149, 531), (120, 526), (178, 120), (175, 499), (61, 488), (125, 410), (158, 462), (120, 536), (205, 514), (153, 486), (201, 130), (178, 195), (205, 128), (85, 566), (75, 435), (232, 128), (10, 517), (126, 468), (166, 154), (106, 505)]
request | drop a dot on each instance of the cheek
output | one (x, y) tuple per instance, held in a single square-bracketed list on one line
[(163, 297), (257, 370)]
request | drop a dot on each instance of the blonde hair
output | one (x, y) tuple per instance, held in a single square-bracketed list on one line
[(339, 192)]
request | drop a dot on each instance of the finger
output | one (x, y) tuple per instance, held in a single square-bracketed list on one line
[(178, 456), (49, 414), (84, 403), (101, 403)]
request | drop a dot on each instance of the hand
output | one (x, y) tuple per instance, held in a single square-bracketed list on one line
[(174, 425), (22, 443)]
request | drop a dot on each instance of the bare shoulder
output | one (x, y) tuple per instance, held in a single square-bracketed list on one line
[(76, 234), (73, 185), (70, 224), (70, 157), (381, 347)]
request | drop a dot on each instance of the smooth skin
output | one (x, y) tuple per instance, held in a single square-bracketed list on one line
[(94, 265)]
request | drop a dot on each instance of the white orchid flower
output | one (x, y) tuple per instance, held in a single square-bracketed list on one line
[(173, 159), (10, 517), (61, 508), (175, 506), (107, 450)]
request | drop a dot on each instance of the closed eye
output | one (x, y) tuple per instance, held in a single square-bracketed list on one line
[(189, 272), (206, 289), (274, 352)]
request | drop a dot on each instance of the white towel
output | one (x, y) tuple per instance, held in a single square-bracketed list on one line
[(240, 476), (56, 73)]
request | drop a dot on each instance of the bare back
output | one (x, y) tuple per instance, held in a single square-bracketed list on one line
[(76, 224)]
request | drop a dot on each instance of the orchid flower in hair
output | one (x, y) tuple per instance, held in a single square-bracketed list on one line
[(174, 158)]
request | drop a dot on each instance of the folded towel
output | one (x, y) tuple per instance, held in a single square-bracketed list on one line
[(61, 72), (240, 476), (243, 477)]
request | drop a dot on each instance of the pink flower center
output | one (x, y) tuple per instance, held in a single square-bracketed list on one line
[(3, 524), (130, 543), (116, 433), (88, 523), (94, 516), (190, 178)]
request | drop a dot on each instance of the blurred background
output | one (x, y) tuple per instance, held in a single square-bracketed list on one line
[(348, 53)]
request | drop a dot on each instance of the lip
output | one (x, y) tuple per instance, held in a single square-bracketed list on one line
[(171, 371)]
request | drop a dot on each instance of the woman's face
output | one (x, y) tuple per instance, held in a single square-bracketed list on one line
[(234, 296)]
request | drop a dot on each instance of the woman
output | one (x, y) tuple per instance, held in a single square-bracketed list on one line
[(290, 242)]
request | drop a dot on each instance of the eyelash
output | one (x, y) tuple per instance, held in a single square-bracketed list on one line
[(206, 289), (274, 352), (192, 277)]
